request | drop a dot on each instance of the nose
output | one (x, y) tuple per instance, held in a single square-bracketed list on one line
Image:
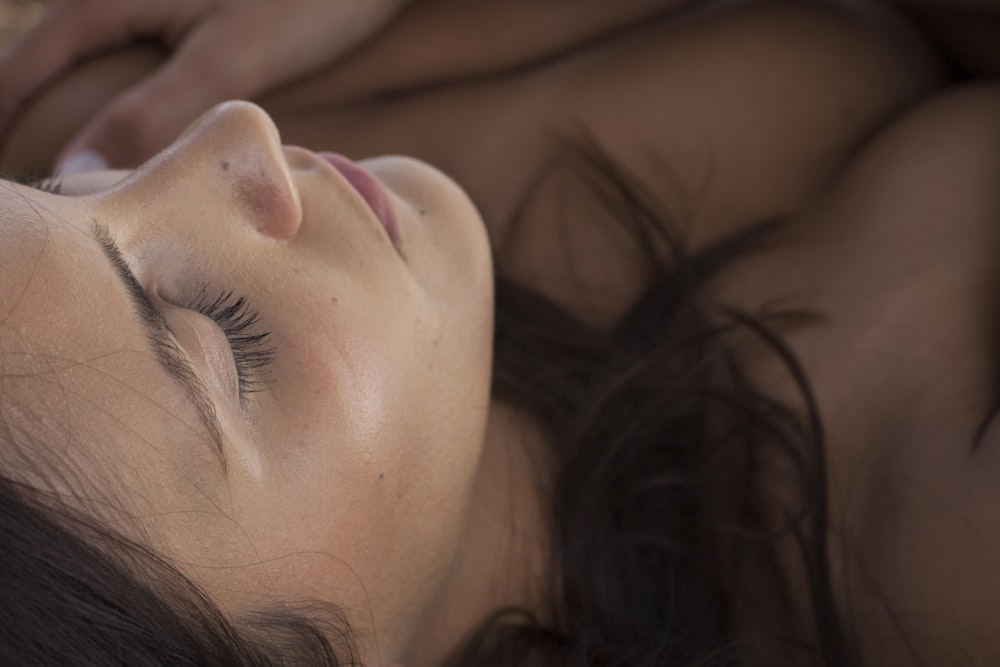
[(235, 151)]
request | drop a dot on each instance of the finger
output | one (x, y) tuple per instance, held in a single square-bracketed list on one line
[(69, 30), (147, 117)]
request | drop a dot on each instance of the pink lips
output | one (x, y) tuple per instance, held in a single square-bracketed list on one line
[(370, 189)]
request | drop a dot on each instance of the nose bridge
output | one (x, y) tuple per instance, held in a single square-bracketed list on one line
[(231, 167), (253, 164)]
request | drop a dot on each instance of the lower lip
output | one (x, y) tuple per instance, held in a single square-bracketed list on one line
[(370, 189)]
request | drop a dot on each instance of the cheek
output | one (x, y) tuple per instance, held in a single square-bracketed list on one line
[(370, 435), (379, 443), (380, 380)]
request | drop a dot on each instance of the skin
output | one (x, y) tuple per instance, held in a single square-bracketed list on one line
[(200, 36), (349, 475), (890, 206), (900, 257)]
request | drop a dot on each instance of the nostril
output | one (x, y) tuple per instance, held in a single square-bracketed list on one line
[(237, 146), (299, 159), (271, 205)]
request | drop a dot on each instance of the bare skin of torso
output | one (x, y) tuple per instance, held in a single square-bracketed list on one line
[(732, 114)]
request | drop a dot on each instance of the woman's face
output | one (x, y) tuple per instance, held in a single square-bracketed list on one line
[(330, 459)]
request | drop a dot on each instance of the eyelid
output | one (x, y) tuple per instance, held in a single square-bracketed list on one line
[(164, 345), (249, 357), (241, 326), (203, 339)]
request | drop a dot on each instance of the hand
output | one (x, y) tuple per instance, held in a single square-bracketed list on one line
[(218, 50)]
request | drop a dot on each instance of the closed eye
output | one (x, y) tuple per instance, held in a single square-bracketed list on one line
[(165, 347), (238, 322)]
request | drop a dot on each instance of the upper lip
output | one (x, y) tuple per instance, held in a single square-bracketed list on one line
[(365, 187)]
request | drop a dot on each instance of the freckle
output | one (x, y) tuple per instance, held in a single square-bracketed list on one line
[(430, 364), (423, 211), (225, 166)]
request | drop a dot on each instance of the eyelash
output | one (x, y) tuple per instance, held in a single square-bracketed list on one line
[(236, 318), (51, 184), (232, 314)]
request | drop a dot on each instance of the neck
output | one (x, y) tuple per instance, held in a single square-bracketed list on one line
[(504, 560)]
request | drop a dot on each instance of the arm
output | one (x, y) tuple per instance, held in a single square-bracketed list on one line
[(429, 43), (439, 41), (216, 50)]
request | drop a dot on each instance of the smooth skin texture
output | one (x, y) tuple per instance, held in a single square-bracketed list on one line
[(798, 92), (900, 260), (348, 476)]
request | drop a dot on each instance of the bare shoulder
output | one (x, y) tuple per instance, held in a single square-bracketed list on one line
[(730, 114), (755, 105), (902, 247)]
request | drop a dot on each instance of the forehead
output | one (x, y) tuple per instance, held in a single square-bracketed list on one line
[(45, 262), (77, 369)]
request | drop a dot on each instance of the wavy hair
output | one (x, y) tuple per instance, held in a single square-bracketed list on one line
[(650, 528)]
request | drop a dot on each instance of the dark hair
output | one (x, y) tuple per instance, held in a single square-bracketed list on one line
[(77, 593), (651, 524), (651, 516)]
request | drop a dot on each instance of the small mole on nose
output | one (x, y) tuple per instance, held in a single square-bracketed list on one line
[(225, 166)]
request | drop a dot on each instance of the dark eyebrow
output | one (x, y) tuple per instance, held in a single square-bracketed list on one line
[(171, 358)]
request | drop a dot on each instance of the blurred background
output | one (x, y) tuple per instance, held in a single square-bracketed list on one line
[(15, 15)]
